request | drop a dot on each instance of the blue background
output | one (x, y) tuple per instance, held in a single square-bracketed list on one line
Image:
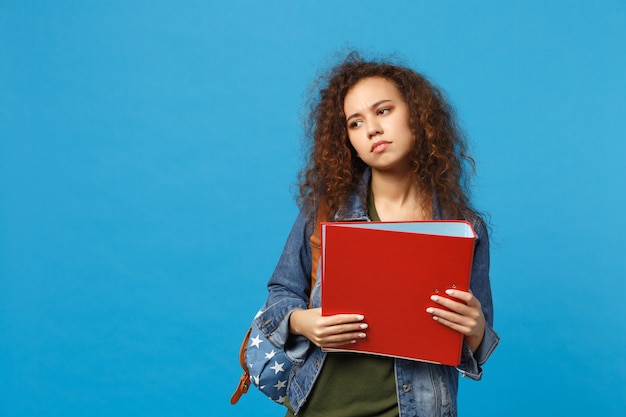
[(148, 154)]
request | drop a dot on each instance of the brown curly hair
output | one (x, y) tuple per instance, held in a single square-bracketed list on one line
[(440, 160)]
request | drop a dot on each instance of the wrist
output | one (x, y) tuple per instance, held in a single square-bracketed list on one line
[(475, 340), (294, 327)]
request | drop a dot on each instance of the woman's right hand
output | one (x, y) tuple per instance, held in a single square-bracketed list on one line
[(327, 331)]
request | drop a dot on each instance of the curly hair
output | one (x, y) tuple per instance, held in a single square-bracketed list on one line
[(333, 170)]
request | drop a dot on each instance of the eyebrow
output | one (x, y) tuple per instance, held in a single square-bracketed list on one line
[(373, 106)]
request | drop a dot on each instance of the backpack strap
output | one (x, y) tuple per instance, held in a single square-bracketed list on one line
[(316, 242), (244, 381)]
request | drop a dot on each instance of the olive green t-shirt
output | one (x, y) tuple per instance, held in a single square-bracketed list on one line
[(353, 384)]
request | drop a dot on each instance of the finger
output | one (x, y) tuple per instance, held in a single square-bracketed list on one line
[(338, 319), (339, 344), (467, 325), (451, 316), (461, 328), (465, 296), (340, 339), (454, 305), (456, 312), (340, 330), (315, 314)]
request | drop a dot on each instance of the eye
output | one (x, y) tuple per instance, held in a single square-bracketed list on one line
[(355, 124), (383, 111)]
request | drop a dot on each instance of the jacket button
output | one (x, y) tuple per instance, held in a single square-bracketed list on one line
[(406, 388)]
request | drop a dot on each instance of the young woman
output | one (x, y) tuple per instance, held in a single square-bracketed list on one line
[(385, 147)]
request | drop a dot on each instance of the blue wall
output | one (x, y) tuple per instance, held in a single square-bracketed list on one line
[(147, 155)]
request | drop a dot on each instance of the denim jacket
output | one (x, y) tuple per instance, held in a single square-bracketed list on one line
[(424, 389)]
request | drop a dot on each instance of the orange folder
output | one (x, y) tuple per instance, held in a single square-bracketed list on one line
[(387, 271)]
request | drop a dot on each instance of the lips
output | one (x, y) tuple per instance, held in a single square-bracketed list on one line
[(379, 146)]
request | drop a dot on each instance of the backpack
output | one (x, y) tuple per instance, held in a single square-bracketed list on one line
[(263, 364)]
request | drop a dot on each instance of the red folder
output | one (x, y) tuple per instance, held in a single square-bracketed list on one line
[(387, 271)]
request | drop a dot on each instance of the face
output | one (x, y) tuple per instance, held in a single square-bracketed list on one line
[(377, 119)]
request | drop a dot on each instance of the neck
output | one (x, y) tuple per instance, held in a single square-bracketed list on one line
[(399, 197)]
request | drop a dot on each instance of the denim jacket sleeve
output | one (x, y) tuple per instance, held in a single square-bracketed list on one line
[(471, 363), (289, 290)]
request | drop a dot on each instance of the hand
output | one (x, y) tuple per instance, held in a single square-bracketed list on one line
[(327, 331), (465, 315)]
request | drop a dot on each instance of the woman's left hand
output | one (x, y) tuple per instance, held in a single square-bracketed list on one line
[(463, 314)]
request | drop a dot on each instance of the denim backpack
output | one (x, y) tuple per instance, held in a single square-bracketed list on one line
[(265, 365)]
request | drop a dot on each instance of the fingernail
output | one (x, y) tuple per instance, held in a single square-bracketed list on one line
[(449, 292), (362, 335), (434, 297), (352, 341), (363, 326), (359, 317), (430, 310)]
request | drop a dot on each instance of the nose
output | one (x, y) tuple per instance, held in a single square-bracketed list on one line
[(373, 128)]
